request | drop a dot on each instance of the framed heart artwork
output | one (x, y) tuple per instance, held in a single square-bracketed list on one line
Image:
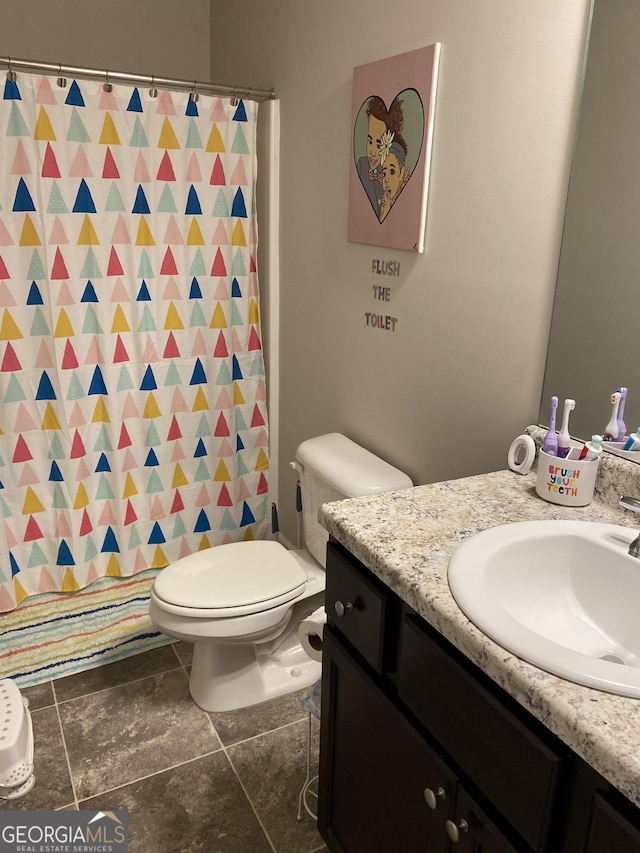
[(393, 106)]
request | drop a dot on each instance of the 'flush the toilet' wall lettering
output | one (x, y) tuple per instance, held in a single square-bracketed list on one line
[(382, 293)]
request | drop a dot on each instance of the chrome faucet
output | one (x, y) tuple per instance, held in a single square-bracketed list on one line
[(634, 505)]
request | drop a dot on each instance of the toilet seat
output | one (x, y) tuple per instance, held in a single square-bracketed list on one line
[(230, 580)]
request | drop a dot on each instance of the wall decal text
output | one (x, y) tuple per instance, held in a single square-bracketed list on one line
[(383, 294), (380, 321), (379, 267)]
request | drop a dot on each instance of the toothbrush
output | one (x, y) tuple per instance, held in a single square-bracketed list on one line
[(622, 427), (593, 446), (611, 429), (564, 439), (633, 441), (550, 443)]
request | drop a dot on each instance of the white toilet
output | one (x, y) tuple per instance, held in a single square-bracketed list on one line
[(241, 603)]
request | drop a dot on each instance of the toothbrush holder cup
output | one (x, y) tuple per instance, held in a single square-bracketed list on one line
[(569, 482)]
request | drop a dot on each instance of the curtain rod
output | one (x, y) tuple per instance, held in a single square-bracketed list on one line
[(107, 75)]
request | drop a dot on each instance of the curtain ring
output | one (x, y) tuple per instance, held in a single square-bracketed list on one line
[(11, 74), (153, 92), (234, 98), (61, 81), (106, 86), (193, 95)]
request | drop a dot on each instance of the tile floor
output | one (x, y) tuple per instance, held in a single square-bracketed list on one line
[(128, 736)]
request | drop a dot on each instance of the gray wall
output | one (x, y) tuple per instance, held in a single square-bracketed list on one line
[(443, 395), (159, 37)]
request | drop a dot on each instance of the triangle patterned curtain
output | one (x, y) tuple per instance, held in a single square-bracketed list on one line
[(133, 422)]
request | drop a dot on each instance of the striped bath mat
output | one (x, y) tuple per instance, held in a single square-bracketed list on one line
[(58, 634)]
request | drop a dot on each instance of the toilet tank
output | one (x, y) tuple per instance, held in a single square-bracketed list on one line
[(332, 467)]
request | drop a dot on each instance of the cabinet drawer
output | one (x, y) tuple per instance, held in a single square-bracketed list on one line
[(362, 600), (516, 770)]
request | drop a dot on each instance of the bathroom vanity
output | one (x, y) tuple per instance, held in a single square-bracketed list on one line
[(434, 738)]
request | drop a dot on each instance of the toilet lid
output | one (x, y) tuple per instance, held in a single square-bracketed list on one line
[(237, 575)]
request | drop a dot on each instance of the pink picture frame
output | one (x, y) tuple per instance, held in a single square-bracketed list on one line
[(392, 118)]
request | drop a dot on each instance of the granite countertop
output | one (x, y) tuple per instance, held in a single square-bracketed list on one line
[(407, 537)]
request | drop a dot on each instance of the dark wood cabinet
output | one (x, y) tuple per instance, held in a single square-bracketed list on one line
[(516, 767), (383, 775), (609, 830), (475, 831), (421, 753)]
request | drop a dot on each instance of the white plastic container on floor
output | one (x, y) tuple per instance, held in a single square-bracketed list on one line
[(16, 743)]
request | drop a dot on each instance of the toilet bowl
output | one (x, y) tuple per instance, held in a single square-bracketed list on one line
[(241, 604)]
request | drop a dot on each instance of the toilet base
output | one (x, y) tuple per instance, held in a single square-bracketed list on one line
[(228, 677), (256, 657)]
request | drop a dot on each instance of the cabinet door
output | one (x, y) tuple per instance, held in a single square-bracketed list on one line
[(472, 832), (504, 756), (382, 790), (611, 831)]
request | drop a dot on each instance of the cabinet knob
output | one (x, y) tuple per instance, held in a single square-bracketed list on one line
[(432, 797), (454, 829), (342, 609)]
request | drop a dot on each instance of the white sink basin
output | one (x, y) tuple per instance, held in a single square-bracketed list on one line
[(563, 595)]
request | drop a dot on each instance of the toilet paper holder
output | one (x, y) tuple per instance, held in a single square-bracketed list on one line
[(310, 633), (310, 701)]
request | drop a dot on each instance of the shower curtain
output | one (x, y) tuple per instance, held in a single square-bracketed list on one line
[(133, 422)]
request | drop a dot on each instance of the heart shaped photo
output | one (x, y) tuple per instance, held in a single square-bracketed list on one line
[(390, 152), (392, 113)]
